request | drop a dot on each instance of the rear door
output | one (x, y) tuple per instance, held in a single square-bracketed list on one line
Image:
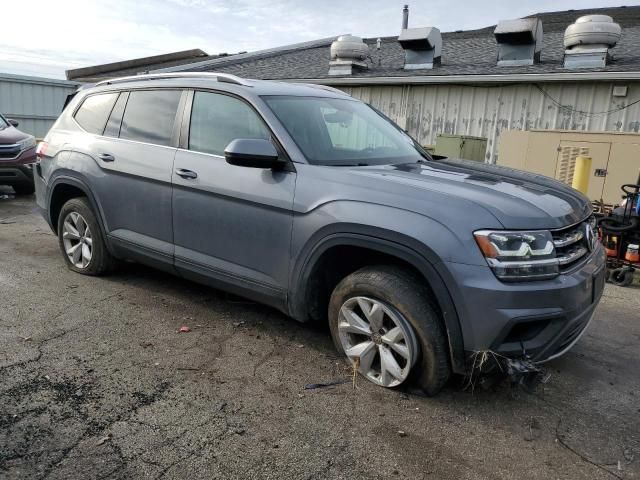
[(135, 154), (232, 225)]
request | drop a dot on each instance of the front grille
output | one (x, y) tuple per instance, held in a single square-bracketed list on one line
[(572, 245), (8, 152)]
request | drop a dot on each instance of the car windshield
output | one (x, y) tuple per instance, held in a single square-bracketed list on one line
[(343, 132), (3, 123)]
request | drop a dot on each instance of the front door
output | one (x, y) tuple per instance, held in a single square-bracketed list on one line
[(232, 225)]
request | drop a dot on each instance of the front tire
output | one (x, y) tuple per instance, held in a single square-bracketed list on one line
[(382, 319), (81, 240)]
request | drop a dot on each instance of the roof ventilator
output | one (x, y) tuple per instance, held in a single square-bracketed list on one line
[(422, 46), (588, 40), (519, 41), (348, 53)]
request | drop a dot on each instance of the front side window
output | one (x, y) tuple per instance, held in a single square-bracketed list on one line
[(217, 119), (3, 123), (335, 131), (94, 111), (149, 116)]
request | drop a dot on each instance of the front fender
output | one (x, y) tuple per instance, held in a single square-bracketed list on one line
[(386, 241)]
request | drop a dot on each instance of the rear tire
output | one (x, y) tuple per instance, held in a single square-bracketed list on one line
[(24, 189), (81, 241), (405, 300)]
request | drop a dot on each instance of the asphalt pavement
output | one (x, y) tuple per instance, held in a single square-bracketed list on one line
[(96, 382)]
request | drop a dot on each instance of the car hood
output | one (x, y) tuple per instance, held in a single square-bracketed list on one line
[(11, 135), (517, 199)]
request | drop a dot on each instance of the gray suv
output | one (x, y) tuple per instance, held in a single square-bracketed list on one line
[(305, 199)]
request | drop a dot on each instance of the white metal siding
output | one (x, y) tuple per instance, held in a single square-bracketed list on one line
[(485, 111), (34, 102)]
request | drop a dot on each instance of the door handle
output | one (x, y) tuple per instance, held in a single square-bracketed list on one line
[(106, 157), (184, 173)]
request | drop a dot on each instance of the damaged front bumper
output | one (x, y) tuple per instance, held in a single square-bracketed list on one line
[(537, 320), (489, 368)]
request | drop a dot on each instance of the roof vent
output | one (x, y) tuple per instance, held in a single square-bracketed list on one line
[(519, 41), (422, 47), (348, 52), (588, 40)]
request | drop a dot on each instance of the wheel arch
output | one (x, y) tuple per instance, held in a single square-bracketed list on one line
[(62, 189), (384, 245)]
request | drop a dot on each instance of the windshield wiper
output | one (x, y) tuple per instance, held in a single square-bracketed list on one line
[(348, 165)]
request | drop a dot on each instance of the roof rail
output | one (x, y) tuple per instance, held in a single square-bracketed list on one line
[(327, 88), (220, 77)]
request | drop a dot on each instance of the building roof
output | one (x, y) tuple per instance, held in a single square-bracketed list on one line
[(464, 53), (10, 77), (136, 65), (469, 55)]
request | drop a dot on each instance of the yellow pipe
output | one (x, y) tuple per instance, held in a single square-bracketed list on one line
[(581, 174)]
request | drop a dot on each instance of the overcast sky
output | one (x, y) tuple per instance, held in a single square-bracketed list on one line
[(46, 37)]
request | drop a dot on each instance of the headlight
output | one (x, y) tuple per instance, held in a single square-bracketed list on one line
[(519, 256), (27, 143)]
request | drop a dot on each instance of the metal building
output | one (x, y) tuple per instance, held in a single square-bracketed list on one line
[(481, 83), (34, 102), (486, 110)]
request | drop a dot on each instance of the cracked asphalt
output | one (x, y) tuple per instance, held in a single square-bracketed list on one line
[(96, 382)]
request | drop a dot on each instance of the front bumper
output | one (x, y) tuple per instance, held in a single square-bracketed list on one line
[(16, 175), (538, 319)]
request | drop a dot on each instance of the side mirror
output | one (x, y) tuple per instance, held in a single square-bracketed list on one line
[(252, 152), (12, 122)]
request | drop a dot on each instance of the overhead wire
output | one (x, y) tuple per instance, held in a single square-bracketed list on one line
[(585, 113)]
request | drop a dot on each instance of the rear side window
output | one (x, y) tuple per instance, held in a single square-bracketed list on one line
[(218, 119), (149, 116), (94, 111)]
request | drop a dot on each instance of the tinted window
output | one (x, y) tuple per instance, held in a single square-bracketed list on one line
[(92, 114), (113, 124), (217, 119), (149, 116)]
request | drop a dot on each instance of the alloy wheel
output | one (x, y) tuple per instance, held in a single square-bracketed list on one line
[(77, 240), (378, 339)]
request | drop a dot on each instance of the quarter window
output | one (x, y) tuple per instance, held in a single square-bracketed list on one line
[(218, 119), (94, 111), (149, 116)]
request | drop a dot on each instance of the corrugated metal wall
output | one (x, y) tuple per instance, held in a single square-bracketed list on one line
[(486, 111), (32, 101)]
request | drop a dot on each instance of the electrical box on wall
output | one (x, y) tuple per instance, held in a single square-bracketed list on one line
[(461, 146), (615, 157), (620, 91)]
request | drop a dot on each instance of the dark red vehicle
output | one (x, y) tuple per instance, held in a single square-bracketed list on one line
[(17, 156)]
